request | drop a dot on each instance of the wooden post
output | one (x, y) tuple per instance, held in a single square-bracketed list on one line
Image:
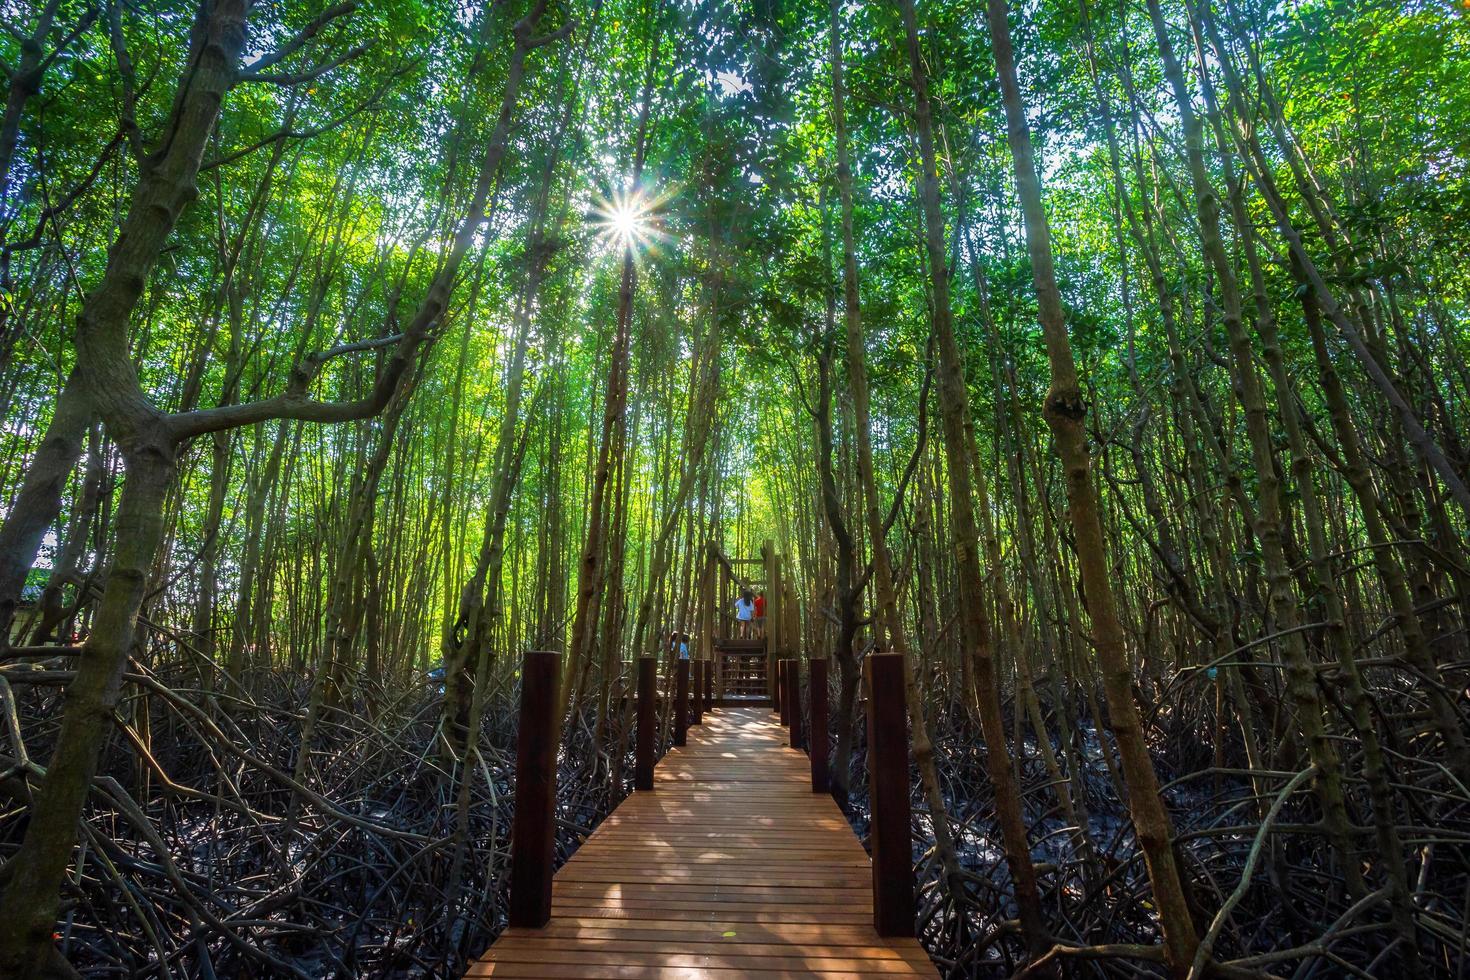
[(719, 668), (783, 702), (647, 712), (775, 607), (793, 698), (709, 685), (888, 788), (681, 703), (696, 701), (708, 614), (533, 829), (709, 593), (775, 612), (817, 741), (791, 631), (778, 688), (772, 633)]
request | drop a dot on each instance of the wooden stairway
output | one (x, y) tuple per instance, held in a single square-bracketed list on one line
[(743, 667)]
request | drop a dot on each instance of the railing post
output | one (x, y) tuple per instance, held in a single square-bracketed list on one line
[(781, 704), (709, 685), (647, 694), (793, 698), (722, 679), (696, 699), (888, 788), (817, 740), (533, 829), (681, 702)]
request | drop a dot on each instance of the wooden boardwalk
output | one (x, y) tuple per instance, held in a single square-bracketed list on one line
[(731, 867)]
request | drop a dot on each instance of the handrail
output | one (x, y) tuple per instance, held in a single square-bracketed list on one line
[(728, 564)]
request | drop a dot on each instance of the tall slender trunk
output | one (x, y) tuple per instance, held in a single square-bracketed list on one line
[(251, 592), (39, 499), (51, 607), (592, 570), (479, 600), (150, 439), (954, 404), (1272, 516), (166, 186), (846, 594), (1065, 413), (1446, 716)]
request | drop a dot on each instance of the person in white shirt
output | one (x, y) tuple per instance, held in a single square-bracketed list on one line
[(745, 613)]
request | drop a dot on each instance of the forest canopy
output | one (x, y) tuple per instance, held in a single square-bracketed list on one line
[(1109, 361)]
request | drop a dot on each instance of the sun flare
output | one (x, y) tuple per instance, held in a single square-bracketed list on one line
[(628, 220)]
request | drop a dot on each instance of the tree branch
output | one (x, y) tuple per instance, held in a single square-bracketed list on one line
[(127, 77), (299, 41), (556, 35), (296, 78), (294, 403), (312, 132)]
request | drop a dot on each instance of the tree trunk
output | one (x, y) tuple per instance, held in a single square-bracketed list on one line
[(1065, 413), (954, 405)]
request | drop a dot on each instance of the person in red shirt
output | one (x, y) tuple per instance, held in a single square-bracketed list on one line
[(760, 614)]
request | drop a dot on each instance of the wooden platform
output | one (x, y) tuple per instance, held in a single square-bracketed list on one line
[(732, 867)]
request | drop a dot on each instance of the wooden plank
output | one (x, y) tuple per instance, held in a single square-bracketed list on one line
[(805, 965), (632, 910), (579, 971), (914, 957), (730, 867)]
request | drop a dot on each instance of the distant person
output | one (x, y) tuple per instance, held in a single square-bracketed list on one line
[(760, 614), (683, 646), (745, 613)]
